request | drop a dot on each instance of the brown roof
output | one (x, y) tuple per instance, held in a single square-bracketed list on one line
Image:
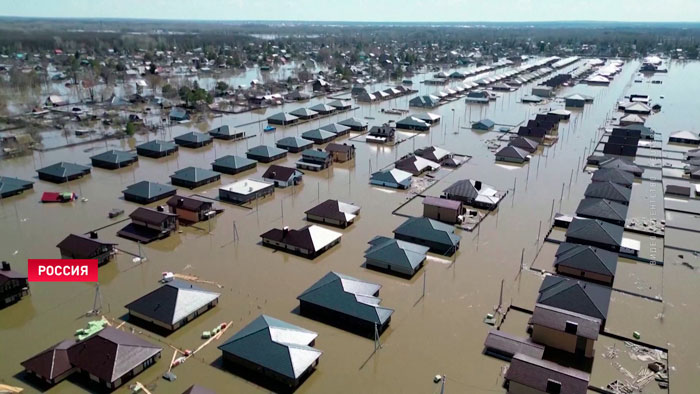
[(535, 373), (299, 238), (150, 215), (81, 246), (51, 362), (187, 203), (333, 147), (328, 209), (111, 353), (279, 173)]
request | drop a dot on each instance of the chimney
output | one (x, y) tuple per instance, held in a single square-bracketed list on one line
[(477, 185), (159, 208), (93, 235), (180, 202), (5, 266), (285, 231)]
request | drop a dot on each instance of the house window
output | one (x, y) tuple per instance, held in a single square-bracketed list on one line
[(553, 387), (571, 327)]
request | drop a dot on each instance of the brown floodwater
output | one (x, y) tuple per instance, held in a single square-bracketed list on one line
[(442, 333)]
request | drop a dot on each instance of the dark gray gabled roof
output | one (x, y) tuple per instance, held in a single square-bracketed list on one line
[(293, 142), (587, 258), (349, 296), (274, 345), (114, 156), (609, 191), (576, 296), (172, 302), (157, 146), (234, 162), (596, 231), (622, 164), (64, 169), (535, 373), (265, 151), (524, 143), (147, 189), (429, 230), (194, 174), (613, 175), (603, 209), (512, 152), (396, 253)]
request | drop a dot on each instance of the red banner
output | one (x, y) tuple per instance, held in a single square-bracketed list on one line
[(62, 270)]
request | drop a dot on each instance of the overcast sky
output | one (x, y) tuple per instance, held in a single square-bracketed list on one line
[(364, 10)]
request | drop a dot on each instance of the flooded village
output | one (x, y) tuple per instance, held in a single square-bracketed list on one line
[(297, 214)]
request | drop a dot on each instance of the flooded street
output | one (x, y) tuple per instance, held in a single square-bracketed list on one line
[(440, 333)]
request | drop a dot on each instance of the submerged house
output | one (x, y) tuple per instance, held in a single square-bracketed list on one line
[(531, 375), (309, 241), (62, 172), (232, 165), (512, 154), (412, 123), (323, 109), (684, 137), (484, 124), (282, 118), (354, 124), (110, 357), (333, 212), (393, 178), (282, 176), (13, 285), (347, 303), (113, 159), (602, 209), (226, 133), (304, 113), (381, 134), (576, 296), (426, 101), (265, 153), (193, 177), (336, 128), (156, 148), (148, 225), (10, 186), (438, 155), (595, 233), (614, 175), (273, 349), (562, 329), (76, 246), (178, 114), (621, 164), (318, 136), (416, 165), (525, 144), (191, 210), (294, 144), (443, 210), (341, 152), (586, 262), (474, 193), (172, 305), (245, 191), (609, 191), (193, 139), (429, 118), (146, 192), (314, 160), (395, 256), (439, 237)]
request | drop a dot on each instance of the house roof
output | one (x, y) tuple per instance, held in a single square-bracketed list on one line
[(312, 238), (429, 230), (172, 302), (416, 164), (512, 152), (623, 165), (333, 147), (234, 162), (575, 296), (486, 123), (535, 373), (193, 137), (322, 108), (275, 345), (442, 203), (349, 296), (394, 175), (147, 189), (194, 174), (335, 128), (428, 117), (318, 134), (557, 319), (334, 209), (352, 122), (613, 175), (412, 121), (340, 103), (293, 142), (150, 215), (114, 156), (303, 112), (52, 362), (64, 169), (595, 230), (586, 258), (685, 135), (282, 116), (224, 131), (265, 151), (81, 246), (466, 188), (111, 353), (157, 146), (10, 185), (280, 173), (524, 143), (396, 253), (433, 153), (246, 186), (187, 203), (608, 190), (506, 343), (603, 209), (315, 154)]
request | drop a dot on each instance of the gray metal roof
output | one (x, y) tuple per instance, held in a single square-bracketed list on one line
[(157, 146), (594, 230), (349, 296), (512, 152), (576, 296), (396, 253), (429, 230), (194, 174), (293, 142), (283, 116), (614, 175), (193, 137), (148, 189), (318, 134), (352, 122), (335, 128), (265, 151), (114, 156), (609, 191), (172, 302), (10, 185), (603, 209), (315, 153), (412, 121), (234, 162), (587, 258), (63, 169), (303, 112), (322, 108), (508, 344), (275, 345)]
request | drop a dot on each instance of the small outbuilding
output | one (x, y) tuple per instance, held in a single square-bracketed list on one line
[(528, 374), (443, 210)]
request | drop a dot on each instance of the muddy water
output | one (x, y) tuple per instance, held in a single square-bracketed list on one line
[(443, 333)]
